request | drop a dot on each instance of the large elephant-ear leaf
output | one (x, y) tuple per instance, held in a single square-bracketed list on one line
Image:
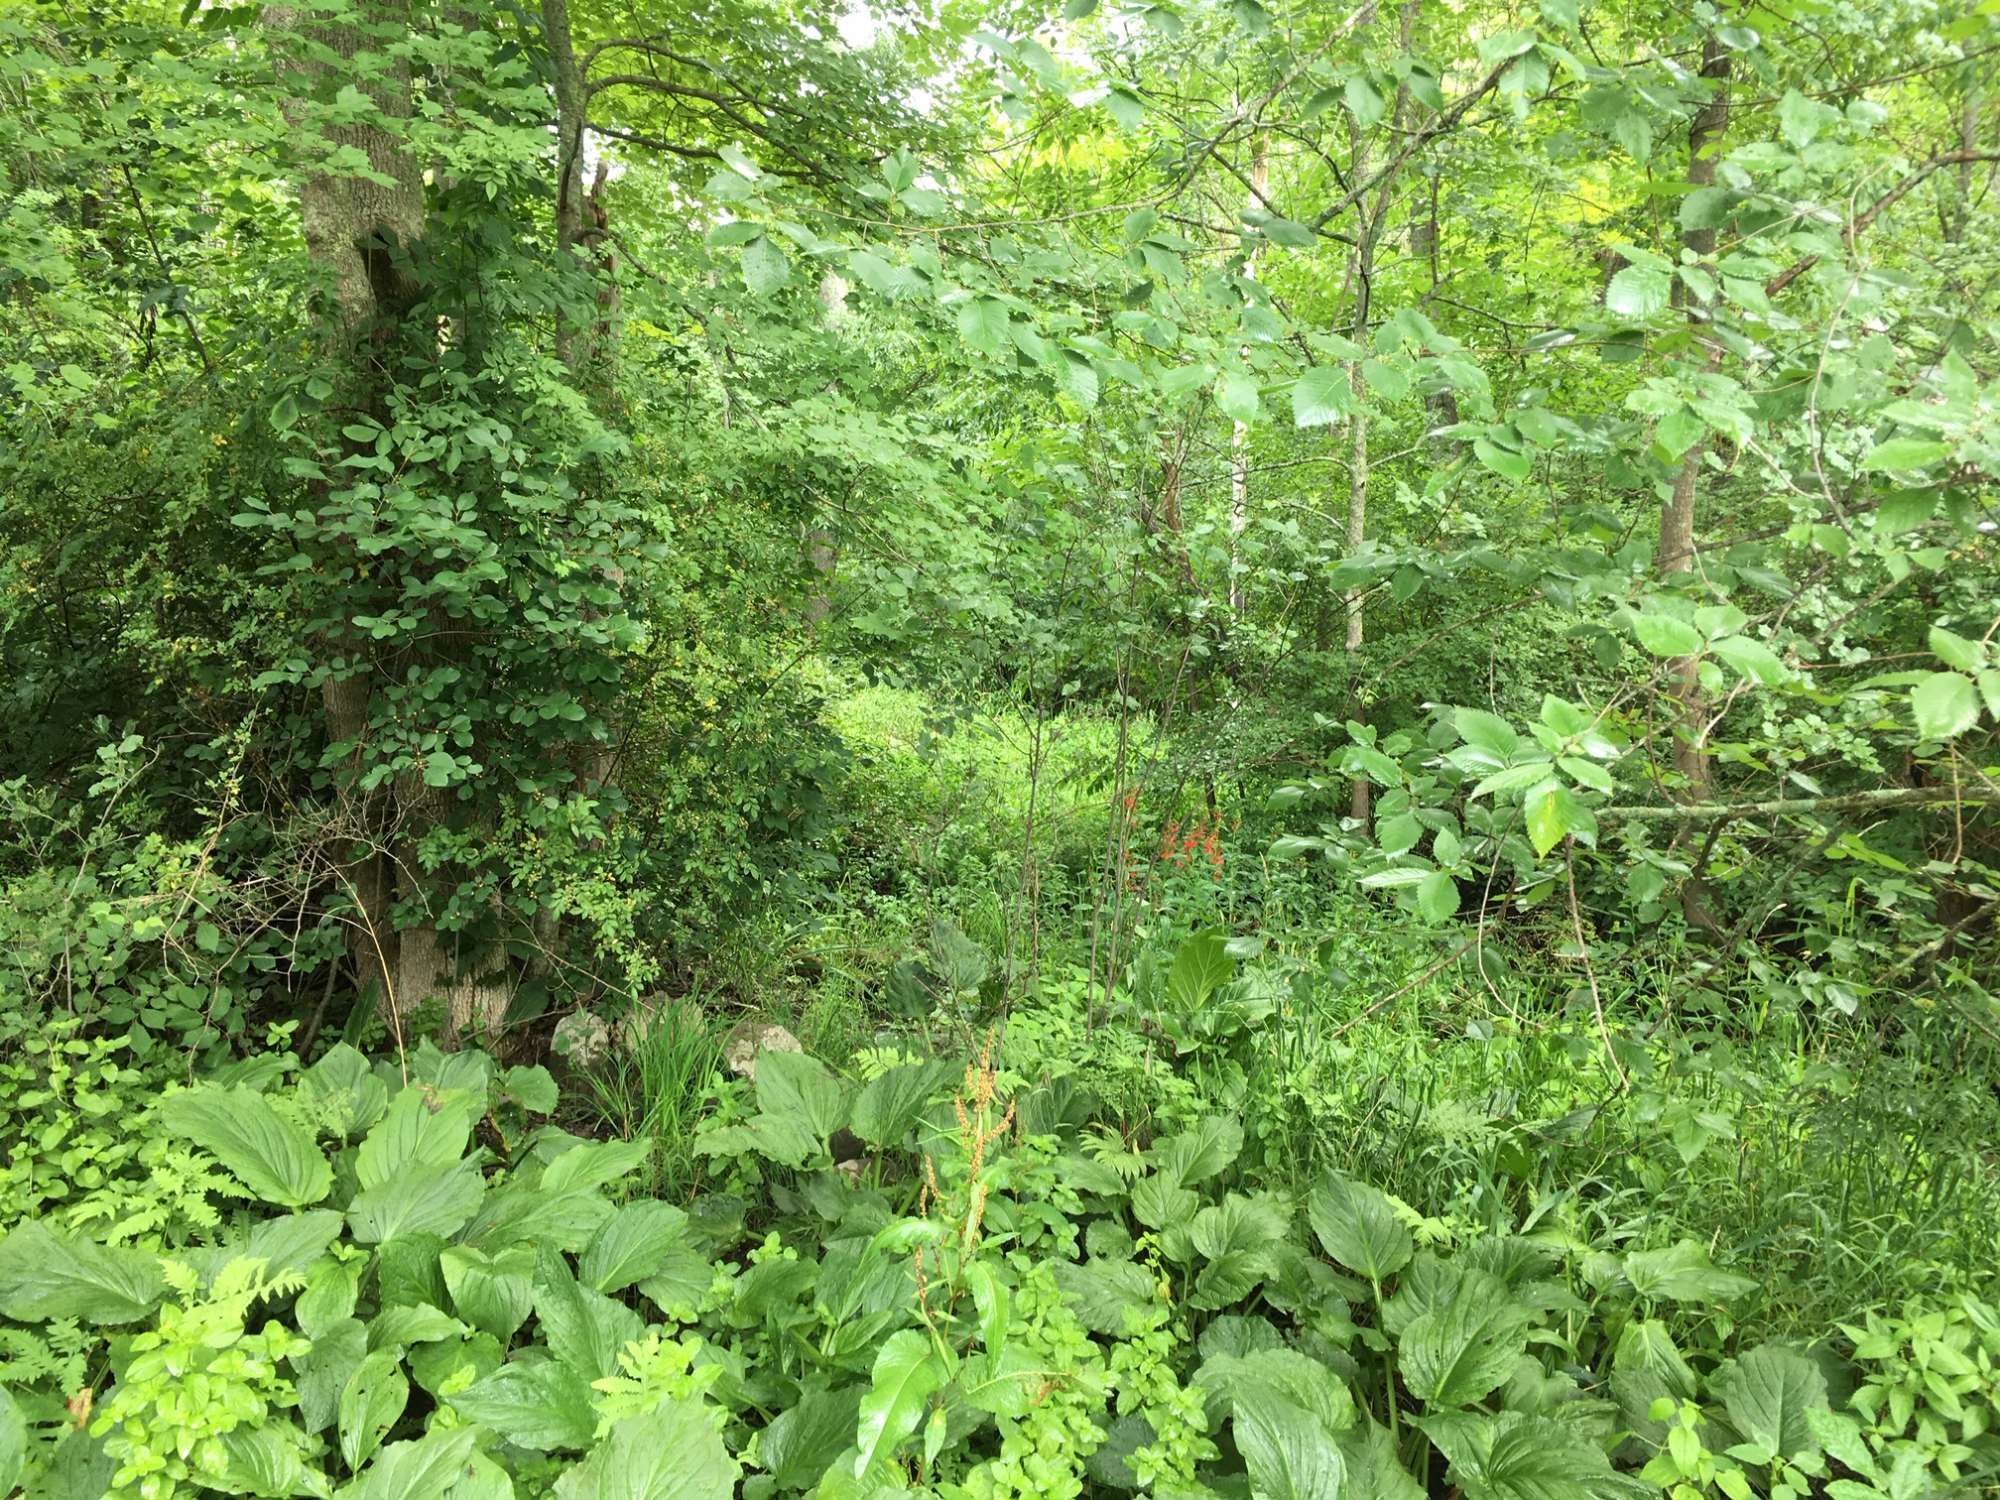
[(271, 1156)]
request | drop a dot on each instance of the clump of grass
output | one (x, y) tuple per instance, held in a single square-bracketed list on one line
[(657, 1084)]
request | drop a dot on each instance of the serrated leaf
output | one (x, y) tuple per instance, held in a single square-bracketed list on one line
[(1944, 704), (1236, 396), (1663, 635), (270, 1155), (1437, 897), (1904, 453), (1638, 292), (765, 266), (1321, 397)]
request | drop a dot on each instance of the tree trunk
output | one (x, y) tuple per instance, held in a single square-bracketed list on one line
[(355, 228), (1677, 520)]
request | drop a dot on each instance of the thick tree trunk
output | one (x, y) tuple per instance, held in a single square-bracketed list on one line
[(1677, 520)]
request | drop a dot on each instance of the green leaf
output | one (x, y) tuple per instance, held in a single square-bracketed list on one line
[(1956, 650), (272, 1157), (1126, 107), (370, 1404), (1944, 704), (633, 1244), (1755, 660), (796, 1089), (423, 1470), (1207, 1150), (584, 1329), (1363, 101), (494, 1293), (1201, 966), (1515, 1456), (765, 266), (1437, 897), (45, 1276), (1904, 453), (594, 1164), (1638, 292), (1502, 461), (1489, 732), (1321, 397), (1289, 1454), (13, 1442), (323, 1371), (1358, 1227), (1769, 1393), (1101, 1292), (1463, 1347), (1663, 635), (905, 1376), (804, 1440), (438, 1199), (1236, 395), (1548, 817), (536, 1404), (1682, 1273), (419, 1130), (888, 1105), (984, 324)]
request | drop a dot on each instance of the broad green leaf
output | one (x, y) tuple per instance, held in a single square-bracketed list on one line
[(765, 266), (1358, 1227), (593, 1164), (1101, 1292), (1768, 1394), (45, 1276), (983, 322), (1548, 817), (494, 1293), (13, 1442), (1201, 1153), (422, 1470), (419, 1130), (1489, 732), (537, 1404), (889, 1104), (804, 1440), (1904, 453), (322, 1372), (584, 1329), (1503, 461), (1238, 1383), (1682, 1273), (272, 1157), (1516, 1456), (1637, 292), (1236, 395), (1289, 1453), (370, 1404), (440, 1200), (1462, 1348), (1755, 660), (1201, 966), (1944, 704), (1373, 1467), (1955, 650), (634, 1243), (1321, 397), (1437, 897), (1663, 635), (905, 1376)]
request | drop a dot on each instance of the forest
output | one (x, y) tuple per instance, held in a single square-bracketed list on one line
[(1181, 749)]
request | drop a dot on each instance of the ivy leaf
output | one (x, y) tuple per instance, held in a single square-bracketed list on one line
[(1637, 292), (1358, 1227), (905, 1376), (271, 1156), (765, 266), (1321, 397), (1945, 704)]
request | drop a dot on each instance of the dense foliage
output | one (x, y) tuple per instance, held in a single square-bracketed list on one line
[(1218, 749)]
